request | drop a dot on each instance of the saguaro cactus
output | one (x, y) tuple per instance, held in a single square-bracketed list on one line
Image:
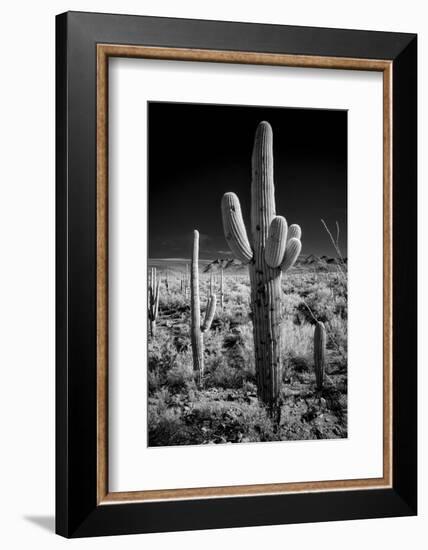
[(198, 329), (319, 353), (222, 287), (153, 300), (273, 250), (186, 281)]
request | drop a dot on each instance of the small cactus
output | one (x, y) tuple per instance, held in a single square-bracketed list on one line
[(198, 329), (184, 283), (319, 353), (166, 282), (273, 250), (153, 300)]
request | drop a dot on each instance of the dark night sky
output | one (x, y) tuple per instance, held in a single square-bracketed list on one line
[(198, 152)]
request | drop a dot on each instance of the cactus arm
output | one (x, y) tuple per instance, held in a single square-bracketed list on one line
[(234, 228), (209, 314), (294, 232), (319, 353), (276, 242), (292, 251)]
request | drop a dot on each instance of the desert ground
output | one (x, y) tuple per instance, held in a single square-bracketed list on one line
[(226, 409)]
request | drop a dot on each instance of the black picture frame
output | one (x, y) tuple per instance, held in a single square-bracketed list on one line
[(78, 513)]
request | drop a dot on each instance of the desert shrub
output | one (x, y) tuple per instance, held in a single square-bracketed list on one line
[(209, 420), (206, 410), (341, 306), (231, 316), (233, 421), (238, 294), (290, 304), (300, 364), (219, 374), (259, 425), (221, 322), (249, 387), (154, 380), (163, 358), (243, 351), (323, 304), (181, 375), (296, 340), (299, 282), (165, 421), (172, 301), (168, 429), (161, 349), (337, 336), (159, 402), (213, 342), (229, 359)]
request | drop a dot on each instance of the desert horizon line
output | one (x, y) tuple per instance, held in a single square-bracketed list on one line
[(230, 257)]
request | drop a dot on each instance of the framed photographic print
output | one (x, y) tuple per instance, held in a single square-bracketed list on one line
[(236, 274)]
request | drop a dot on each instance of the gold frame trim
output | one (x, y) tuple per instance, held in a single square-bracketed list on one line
[(104, 51)]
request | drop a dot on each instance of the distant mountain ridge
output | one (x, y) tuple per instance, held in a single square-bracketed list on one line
[(313, 260), (222, 263), (317, 262)]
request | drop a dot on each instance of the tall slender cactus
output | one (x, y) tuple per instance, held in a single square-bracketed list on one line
[(319, 353), (273, 250), (198, 329), (221, 287), (153, 300), (186, 281)]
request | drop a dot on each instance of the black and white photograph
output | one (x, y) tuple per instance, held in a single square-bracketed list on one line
[(212, 280), (247, 313)]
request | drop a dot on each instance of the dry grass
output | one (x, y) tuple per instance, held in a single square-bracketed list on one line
[(227, 409)]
